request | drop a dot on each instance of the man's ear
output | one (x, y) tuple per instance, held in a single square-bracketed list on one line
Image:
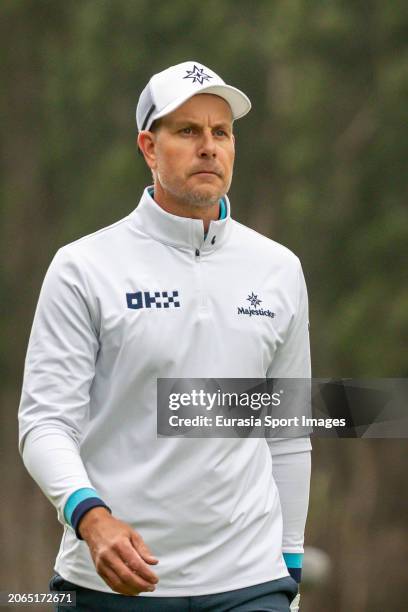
[(147, 145)]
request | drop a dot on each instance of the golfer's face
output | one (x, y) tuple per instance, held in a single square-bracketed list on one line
[(195, 149)]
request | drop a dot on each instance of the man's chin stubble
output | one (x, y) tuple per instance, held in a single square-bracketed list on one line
[(201, 200), (193, 197)]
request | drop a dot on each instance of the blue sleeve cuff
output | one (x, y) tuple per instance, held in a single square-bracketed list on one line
[(82, 508), (79, 503), (294, 563)]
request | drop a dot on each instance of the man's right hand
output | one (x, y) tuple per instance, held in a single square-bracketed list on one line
[(119, 553)]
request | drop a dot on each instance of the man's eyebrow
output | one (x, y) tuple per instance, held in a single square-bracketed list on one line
[(191, 122)]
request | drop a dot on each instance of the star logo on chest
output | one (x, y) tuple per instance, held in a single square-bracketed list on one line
[(197, 75), (254, 300)]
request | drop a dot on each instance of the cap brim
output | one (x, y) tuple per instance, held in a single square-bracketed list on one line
[(240, 103)]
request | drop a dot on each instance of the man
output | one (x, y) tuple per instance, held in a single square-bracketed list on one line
[(185, 524)]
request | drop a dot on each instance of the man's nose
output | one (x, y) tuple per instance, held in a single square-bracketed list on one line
[(207, 147)]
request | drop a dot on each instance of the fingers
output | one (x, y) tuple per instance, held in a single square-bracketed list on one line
[(121, 579), (122, 582), (132, 559), (124, 570), (143, 549), (120, 556)]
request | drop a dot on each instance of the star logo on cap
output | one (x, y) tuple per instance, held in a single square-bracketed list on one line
[(198, 75)]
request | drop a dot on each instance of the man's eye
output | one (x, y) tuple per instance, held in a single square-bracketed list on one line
[(186, 130), (221, 132)]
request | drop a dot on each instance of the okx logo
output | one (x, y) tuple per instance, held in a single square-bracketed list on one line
[(153, 299)]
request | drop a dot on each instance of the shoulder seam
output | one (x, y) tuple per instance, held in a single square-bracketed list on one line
[(97, 232), (250, 229)]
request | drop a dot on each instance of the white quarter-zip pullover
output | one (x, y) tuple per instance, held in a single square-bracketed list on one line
[(209, 509)]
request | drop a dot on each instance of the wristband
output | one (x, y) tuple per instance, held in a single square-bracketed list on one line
[(79, 503), (82, 508), (294, 564)]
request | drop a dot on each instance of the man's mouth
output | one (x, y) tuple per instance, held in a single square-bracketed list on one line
[(207, 172)]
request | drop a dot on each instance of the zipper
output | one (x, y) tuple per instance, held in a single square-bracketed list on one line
[(202, 298)]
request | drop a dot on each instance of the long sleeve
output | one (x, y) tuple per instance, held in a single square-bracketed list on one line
[(291, 461), (59, 370), (291, 472)]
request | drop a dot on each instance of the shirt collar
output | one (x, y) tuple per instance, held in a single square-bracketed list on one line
[(164, 227)]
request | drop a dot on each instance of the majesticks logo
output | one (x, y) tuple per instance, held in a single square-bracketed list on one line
[(253, 310), (197, 75)]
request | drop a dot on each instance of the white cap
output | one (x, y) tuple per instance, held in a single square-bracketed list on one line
[(169, 89)]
